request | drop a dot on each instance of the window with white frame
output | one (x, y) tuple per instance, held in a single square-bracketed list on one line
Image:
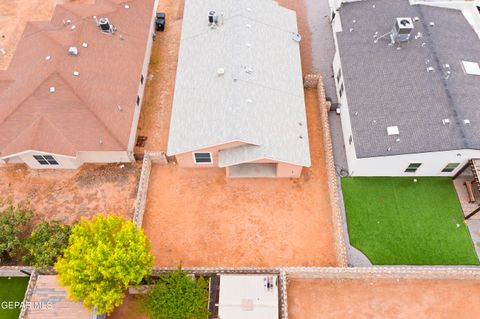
[(202, 158), (412, 167), (45, 159), (450, 167)]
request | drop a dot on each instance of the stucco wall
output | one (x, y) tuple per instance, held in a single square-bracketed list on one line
[(186, 159), (67, 162), (288, 170), (432, 163)]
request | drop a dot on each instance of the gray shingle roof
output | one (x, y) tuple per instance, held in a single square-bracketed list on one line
[(259, 100), (386, 86)]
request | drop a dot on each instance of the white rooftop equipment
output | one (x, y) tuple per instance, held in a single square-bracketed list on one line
[(73, 51), (248, 297), (105, 25), (471, 68), (392, 130), (402, 30)]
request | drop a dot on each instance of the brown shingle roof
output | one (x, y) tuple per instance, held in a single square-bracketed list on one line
[(90, 112)]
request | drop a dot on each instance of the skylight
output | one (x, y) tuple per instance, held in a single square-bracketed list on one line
[(471, 68)]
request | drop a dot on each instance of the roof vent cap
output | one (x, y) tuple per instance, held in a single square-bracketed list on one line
[(76, 73), (466, 122), (296, 37), (48, 58), (73, 51), (52, 89), (85, 45), (220, 71), (446, 121)]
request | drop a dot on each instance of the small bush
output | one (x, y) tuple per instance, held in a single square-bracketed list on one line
[(13, 223), (46, 244), (177, 296)]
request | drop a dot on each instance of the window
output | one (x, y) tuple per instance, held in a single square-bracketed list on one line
[(450, 167), (138, 100), (412, 167), (350, 140), (202, 158), (45, 159), (339, 75), (141, 79), (341, 90)]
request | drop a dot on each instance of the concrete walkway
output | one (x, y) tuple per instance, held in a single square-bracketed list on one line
[(323, 48)]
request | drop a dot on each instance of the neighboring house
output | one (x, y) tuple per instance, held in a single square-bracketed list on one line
[(408, 108), (239, 100), (72, 94)]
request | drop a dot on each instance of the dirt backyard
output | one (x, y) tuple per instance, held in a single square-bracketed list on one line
[(382, 298), (201, 218), (67, 195), (13, 17)]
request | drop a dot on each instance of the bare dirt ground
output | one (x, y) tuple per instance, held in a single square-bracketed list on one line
[(67, 195), (382, 298), (130, 309), (13, 17), (156, 109), (201, 218)]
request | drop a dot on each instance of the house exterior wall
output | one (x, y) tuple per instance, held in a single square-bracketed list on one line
[(285, 170), (141, 87), (432, 163), (68, 162), (65, 162), (186, 159)]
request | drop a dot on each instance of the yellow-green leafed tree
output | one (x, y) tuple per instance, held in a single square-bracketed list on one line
[(104, 257)]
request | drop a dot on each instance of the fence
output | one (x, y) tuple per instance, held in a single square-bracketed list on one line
[(140, 201), (312, 81)]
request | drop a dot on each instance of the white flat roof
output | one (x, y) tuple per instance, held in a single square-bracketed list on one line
[(248, 297)]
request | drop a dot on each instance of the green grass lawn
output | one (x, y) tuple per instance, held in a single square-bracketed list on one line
[(395, 221), (12, 289)]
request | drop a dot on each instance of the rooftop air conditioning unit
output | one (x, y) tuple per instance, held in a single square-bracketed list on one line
[(402, 30), (106, 26)]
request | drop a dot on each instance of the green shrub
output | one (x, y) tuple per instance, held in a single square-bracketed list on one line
[(177, 296), (46, 244), (13, 223)]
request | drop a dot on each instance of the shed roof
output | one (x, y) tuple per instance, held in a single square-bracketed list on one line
[(90, 112), (390, 85), (259, 98), (248, 296)]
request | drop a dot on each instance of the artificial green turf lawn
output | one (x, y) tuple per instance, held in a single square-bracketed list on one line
[(395, 221), (12, 289)]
